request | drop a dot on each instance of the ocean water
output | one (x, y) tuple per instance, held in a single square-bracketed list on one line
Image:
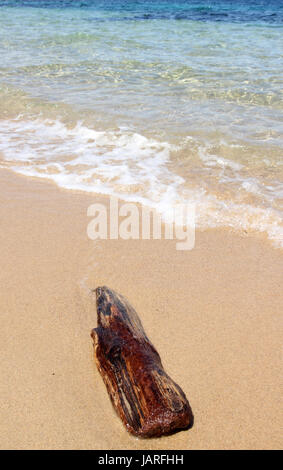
[(160, 102)]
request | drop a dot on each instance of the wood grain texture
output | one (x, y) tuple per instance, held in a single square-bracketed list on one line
[(147, 400)]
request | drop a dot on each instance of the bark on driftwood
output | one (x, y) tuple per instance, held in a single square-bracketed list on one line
[(147, 400)]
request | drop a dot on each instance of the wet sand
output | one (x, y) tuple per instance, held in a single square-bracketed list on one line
[(214, 313)]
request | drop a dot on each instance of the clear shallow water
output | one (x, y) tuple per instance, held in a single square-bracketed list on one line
[(157, 101)]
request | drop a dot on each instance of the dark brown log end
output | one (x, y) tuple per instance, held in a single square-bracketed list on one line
[(147, 400)]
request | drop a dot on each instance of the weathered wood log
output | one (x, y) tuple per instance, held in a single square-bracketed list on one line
[(147, 400)]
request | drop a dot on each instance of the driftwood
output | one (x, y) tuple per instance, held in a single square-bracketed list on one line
[(147, 400)]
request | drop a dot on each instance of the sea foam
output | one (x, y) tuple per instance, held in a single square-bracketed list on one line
[(133, 167)]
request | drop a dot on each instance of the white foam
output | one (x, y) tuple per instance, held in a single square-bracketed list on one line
[(215, 160), (132, 167), (123, 163)]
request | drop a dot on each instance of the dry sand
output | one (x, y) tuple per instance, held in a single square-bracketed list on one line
[(213, 313)]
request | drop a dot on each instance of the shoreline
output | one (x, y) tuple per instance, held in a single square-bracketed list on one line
[(213, 314), (103, 198)]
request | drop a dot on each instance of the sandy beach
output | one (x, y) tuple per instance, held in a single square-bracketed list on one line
[(214, 313)]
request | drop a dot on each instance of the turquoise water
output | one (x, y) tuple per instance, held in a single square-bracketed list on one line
[(156, 101)]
